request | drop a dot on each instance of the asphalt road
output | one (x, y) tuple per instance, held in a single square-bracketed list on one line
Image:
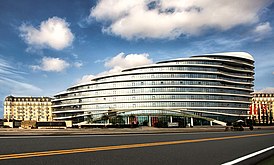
[(177, 148)]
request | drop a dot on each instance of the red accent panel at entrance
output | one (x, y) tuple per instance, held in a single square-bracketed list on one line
[(154, 120)]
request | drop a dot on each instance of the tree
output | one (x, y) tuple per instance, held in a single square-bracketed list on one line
[(105, 118), (120, 120), (89, 118)]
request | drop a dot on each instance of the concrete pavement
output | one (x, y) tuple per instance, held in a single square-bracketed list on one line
[(110, 131)]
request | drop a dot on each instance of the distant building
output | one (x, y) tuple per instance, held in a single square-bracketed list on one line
[(262, 107), (27, 108)]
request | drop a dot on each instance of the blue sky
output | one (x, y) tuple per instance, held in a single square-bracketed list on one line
[(47, 46)]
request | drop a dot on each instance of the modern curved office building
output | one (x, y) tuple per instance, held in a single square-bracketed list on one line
[(208, 86)]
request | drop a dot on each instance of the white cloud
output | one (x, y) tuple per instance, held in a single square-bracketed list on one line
[(267, 90), (85, 78), (13, 82), (76, 56), (120, 62), (84, 22), (126, 61), (172, 18), (6, 70), (78, 64), (262, 31), (101, 61), (16, 87), (53, 33), (51, 65)]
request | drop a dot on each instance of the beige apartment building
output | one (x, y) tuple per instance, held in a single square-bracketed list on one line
[(262, 107), (27, 108)]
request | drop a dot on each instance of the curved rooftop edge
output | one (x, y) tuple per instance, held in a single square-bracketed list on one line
[(244, 55)]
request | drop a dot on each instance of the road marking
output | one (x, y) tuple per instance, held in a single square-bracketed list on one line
[(248, 156), (126, 146)]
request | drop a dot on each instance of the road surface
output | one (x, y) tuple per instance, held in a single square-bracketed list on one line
[(170, 148)]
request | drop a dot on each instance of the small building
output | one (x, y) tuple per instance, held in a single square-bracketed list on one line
[(28, 124), (27, 108), (12, 123), (44, 124), (262, 108)]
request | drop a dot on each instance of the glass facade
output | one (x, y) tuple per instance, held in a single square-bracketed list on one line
[(214, 85)]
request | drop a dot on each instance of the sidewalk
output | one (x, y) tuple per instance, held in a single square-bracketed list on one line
[(113, 131)]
